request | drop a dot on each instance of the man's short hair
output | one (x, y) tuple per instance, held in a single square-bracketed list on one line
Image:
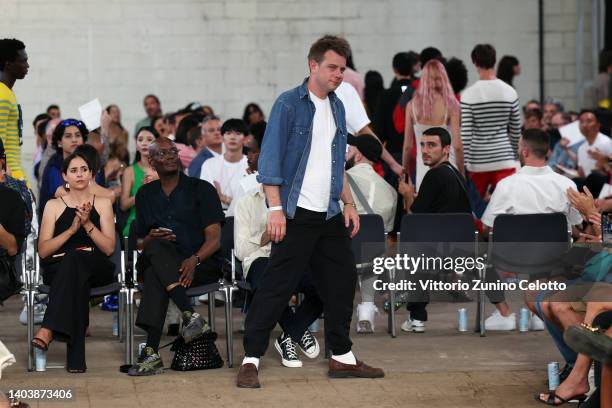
[(556, 102), (329, 42), (209, 118), (582, 112), (234, 125), (537, 141), (52, 107), (534, 112), (445, 137), (152, 96), (483, 56), (429, 53), (404, 62), (9, 50)]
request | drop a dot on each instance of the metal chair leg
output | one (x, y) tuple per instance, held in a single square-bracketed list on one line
[(30, 321), (391, 317), (129, 326), (121, 314), (229, 333), (211, 310)]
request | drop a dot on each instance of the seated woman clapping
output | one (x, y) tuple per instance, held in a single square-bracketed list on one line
[(77, 235)]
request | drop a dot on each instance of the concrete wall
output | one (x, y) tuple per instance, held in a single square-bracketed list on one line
[(227, 53)]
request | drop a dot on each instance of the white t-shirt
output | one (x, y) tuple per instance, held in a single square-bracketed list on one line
[(532, 190), (602, 143), (316, 187), (220, 170), (355, 113)]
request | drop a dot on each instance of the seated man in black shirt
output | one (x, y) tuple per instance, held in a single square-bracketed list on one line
[(442, 190), (179, 227), (12, 233)]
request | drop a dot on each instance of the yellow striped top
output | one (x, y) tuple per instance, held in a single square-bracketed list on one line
[(10, 130)]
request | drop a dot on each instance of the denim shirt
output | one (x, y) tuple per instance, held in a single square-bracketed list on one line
[(286, 148)]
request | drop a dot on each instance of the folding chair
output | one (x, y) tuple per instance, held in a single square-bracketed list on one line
[(511, 247), (435, 233), (369, 243)]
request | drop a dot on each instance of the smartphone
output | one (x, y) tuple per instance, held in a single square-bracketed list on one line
[(606, 229), (168, 230)]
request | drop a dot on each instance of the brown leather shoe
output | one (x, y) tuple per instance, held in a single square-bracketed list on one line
[(247, 376), (360, 370)]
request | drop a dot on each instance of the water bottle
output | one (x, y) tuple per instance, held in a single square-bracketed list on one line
[(115, 324), (40, 357), (462, 319), (524, 320), (553, 375)]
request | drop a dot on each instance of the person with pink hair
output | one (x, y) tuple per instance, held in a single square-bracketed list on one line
[(433, 105)]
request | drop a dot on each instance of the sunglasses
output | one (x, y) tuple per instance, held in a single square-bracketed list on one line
[(71, 122), (167, 153)]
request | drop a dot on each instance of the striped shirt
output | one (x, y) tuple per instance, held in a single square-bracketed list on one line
[(490, 125), (10, 130)]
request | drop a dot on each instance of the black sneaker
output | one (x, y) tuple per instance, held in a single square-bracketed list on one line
[(309, 345), (149, 363), (193, 326), (287, 350)]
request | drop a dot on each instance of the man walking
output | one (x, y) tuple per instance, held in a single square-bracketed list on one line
[(13, 66), (301, 166)]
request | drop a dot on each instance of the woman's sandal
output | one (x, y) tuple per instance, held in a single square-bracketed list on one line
[(553, 397), (40, 344)]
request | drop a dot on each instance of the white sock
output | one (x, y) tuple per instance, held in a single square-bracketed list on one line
[(252, 360), (348, 358)]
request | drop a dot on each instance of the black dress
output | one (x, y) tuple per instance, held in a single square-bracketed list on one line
[(71, 276)]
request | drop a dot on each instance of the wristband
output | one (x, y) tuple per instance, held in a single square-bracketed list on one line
[(277, 208), (351, 204), (89, 232), (197, 259)]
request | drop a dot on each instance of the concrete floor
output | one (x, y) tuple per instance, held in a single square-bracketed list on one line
[(440, 368)]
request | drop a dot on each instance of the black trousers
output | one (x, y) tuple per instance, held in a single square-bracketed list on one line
[(294, 323), (160, 261), (324, 247), (67, 313)]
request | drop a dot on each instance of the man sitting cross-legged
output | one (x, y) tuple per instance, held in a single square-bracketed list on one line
[(179, 227)]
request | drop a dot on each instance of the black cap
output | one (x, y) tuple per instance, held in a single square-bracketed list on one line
[(367, 145)]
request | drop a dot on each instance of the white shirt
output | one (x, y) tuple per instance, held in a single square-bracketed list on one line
[(220, 170), (316, 187), (380, 195), (602, 143), (250, 223), (532, 190), (245, 184), (355, 113)]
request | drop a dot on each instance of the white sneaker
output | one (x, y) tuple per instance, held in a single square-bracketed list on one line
[(39, 314), (535, 323), (366, 315), (498, 322), (416, 326)]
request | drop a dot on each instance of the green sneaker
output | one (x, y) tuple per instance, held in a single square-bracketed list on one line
[(149, 363), (193, 326)]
